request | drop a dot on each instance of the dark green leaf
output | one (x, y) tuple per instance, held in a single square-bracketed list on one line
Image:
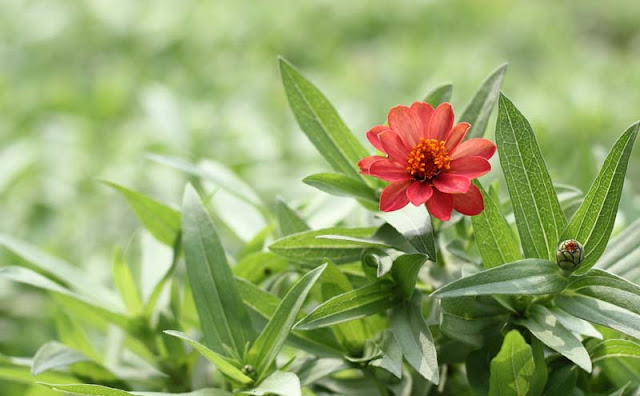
[(414, 223), (223, 317), (268, 344), (538, 214), (162, 221), (289, 221), (319, 120), (495, 240), (342, 186), (513, 368), (473, 320), (593, 222), (562, 381), (540, 374), (479, 109), (414, 337), (524, 277), (305, 247), (367, 300), (545, 326), (439, 94)]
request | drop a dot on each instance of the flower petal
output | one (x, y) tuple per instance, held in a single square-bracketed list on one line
[(424, 112), (451, 184), (394, 146), (475, 147), (456, 135), (470, 167), (405, 123), (394, 197), (418, 193), (373, 133), (366, 162), (470, 203), (389, 170), (441, 121), (440, 205)]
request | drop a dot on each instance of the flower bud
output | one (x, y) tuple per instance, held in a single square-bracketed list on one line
[(569, 255)]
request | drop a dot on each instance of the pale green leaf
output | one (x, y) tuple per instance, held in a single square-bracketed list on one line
[(126, 286), (342, 186), (54, 355), (414, 223), (613, 348), (479, 109), (288, 220), (278, 383), (440, 94)]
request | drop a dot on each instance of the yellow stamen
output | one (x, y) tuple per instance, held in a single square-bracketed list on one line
[(427, 159)]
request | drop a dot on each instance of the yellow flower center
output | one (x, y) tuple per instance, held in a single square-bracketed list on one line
[(427, 159)]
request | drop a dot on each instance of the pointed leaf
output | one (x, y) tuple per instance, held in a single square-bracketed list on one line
[(405, 271), (524, 277), (222, 363), (279, 383), (623, 253), (538, 214), (593, 222), (479, 109), (126, 286), (162, 221), (494, 238), (319, 120), (54, 355), (290, 222), (223, 317), (414, 223), (440, 94), (513, 367), (268, 344), (342, 186)]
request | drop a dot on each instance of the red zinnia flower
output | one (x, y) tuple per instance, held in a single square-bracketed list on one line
[(427, 161)]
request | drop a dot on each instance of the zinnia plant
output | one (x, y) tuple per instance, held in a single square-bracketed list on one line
[(520, 294)]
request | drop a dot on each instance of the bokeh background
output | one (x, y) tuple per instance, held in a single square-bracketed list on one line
[(89, 88)]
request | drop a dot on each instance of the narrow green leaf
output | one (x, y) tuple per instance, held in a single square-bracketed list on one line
[(342, 186), (562, 381), (540, 374), (71, 334), (414, 223), (405, 272), (613, 348), (278, 383), (605, 299), (413, 335), (258, 266), (513, 367), (54, 355), (367, 300), (538, 214), (319, 120), (479, 109), (99, 390), (289, 221), (473, 320), (391, 359), (268, 344), (576, 325), (162, 221), (126, 286), (223, 317), (593, 222), (440, 94), (623, 253), (305, 247), (494, 238), (545, 326), (222, 363), (524, 277)]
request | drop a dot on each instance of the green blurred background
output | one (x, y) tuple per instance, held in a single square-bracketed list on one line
[(89, 88)]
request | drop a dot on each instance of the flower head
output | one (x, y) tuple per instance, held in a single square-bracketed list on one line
[(569, 254), (428, 161)]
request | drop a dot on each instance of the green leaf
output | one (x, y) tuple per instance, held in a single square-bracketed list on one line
[(593, 222), (223, 317), (258, 266), (367, 300), (605, 299), (440, 94), (540, 374), (405, 271), (268, 344), (623, 253), (54, 355), (278, 383), (99, 390), (222, 363), (414, 223), (126, 286), (290, 222), (494, 238), (545, 326), (342, 186), (613, 348), (473, 320), (391, 359), (538, 214), (319, 120), (479, 109), (71, 334), (162, 221), (413, 335), (524, 277), (513, 368), (576, 325), (305, 247), (562, 381)]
